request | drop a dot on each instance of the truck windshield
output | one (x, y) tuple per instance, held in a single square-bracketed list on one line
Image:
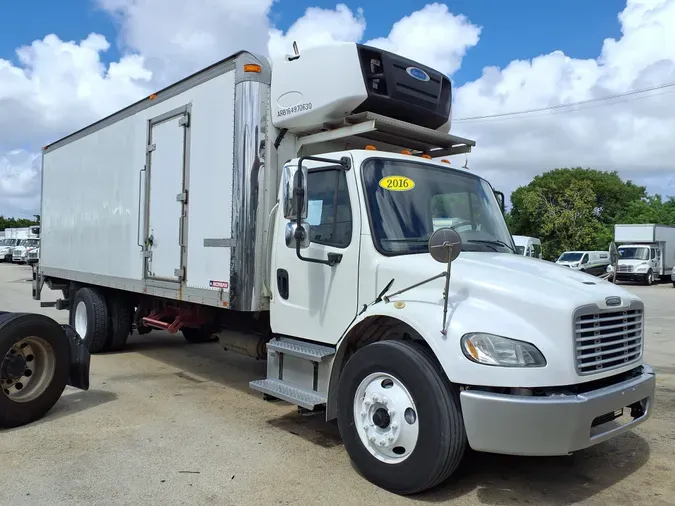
[(634, 253), (31, 243), (407, 201)]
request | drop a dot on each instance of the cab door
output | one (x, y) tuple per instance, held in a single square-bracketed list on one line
[(313, 300)]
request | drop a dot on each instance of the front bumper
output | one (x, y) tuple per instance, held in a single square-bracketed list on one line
[(556, 424)]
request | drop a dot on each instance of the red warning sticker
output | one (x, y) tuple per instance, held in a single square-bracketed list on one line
[(219, 284)]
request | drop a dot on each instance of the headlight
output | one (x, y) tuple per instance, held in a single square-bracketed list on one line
[(490, 349), (575, 264), (642, 267), (609, 268)]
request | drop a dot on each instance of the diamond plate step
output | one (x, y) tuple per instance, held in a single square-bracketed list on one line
[(286, 392), (308, 351)]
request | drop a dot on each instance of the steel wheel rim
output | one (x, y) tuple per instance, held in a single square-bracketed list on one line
[(81, 319), (386, 418), (27, 369)]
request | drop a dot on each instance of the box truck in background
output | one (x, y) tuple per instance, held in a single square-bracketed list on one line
[(646, 252), (527, 246), (289, 211)]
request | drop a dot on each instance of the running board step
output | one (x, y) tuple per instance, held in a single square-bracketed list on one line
[(289, 393), (300, 349)]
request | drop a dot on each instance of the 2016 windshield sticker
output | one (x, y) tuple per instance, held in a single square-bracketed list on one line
[(397, 183)]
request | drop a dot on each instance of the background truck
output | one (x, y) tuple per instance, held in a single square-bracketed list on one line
[(528, 246), (646, 252), (291, 213)]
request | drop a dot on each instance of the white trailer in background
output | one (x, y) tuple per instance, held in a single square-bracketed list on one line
[(291, 214), (646, 252)]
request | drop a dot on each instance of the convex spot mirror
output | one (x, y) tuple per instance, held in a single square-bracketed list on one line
[(290, 181), (445, 245), (291, 235), (613, 254)]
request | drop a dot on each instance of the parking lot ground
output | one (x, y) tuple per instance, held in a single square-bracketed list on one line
[(166, 422)]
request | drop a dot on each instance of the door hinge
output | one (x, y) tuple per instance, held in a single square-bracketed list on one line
[(184, 121), (151, 147), (147, 254), (182, 197), (179, 273)]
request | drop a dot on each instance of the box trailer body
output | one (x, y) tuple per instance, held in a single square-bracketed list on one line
[(646, 251), (298, 213)]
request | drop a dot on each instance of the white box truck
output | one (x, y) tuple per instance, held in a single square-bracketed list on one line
[(646, 252), (289, 210)]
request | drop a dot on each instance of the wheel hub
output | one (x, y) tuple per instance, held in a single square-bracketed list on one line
[(27, 369), (381, 418), (13, 367), (386, 418)]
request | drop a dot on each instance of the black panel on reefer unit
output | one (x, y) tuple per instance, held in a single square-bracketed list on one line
[(403, 89)]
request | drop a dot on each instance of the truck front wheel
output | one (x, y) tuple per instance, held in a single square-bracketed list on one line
[(649, 278), (34, 367), (89, 318), (399, 417)]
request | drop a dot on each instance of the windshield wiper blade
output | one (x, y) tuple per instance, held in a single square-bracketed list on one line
[(422, 240), (493, 243)]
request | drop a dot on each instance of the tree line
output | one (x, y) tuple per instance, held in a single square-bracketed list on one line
[(576, 209), (6, 222)]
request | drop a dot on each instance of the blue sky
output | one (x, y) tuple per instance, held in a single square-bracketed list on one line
[(511, 30)]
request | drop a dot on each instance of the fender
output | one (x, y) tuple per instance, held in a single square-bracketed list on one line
[(413, 317)]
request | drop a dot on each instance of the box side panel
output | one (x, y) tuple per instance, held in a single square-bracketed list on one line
[(633, 233), (94, 192), (91, 201), (209, 176)]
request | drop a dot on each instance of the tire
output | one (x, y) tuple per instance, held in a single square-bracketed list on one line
[(649, 278), (93, 320), (441, 437), (197, 336), (44, 350), (120, 314)]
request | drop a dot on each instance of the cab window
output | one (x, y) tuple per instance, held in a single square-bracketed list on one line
[(329, 211)]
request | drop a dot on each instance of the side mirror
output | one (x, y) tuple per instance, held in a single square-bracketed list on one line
[(500, 198), (297, 235), (290, 183)]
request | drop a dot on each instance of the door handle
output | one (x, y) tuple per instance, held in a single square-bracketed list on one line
[(138, 232), (181, 221)]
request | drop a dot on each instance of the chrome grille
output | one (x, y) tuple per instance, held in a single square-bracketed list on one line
[(625, 268), (607, 340)]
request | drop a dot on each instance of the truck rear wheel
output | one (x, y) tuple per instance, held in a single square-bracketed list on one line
[(399, 417), (89, 318), (34, 367), (121, 316)]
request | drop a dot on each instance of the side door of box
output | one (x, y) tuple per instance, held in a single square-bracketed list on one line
[(166, 195)]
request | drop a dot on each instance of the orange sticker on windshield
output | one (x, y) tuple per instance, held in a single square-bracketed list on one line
[(397, 183)]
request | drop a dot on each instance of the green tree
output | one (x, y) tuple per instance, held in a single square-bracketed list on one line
[(572, 208)]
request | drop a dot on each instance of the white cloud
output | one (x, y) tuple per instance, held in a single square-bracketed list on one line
[(178, 37), (318, 27), (58, 86), (432, 36), (19, 183), (631, 134)]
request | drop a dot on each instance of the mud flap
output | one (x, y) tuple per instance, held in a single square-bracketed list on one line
[(80, 360)]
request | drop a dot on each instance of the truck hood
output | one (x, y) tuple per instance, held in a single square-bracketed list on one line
[(499, 276), (632, 261)]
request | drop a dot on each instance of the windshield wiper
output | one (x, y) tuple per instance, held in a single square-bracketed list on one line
[(421, 240), (492, 243)]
